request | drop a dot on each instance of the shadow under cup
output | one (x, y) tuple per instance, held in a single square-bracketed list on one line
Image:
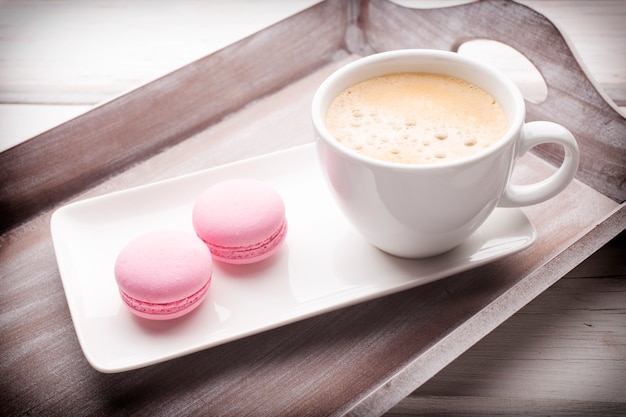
[(420, 210)]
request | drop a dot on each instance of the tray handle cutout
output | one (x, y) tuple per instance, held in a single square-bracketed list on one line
[(573, 97)]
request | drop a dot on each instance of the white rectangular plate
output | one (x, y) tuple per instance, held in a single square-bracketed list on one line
[(323, 265)]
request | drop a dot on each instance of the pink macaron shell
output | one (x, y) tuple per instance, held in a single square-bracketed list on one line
[(241, 220), (163, 274)]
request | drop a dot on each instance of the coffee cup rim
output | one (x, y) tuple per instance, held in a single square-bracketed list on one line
[(514, 107)]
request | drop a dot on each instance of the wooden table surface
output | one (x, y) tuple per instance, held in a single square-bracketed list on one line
[(563, 354)]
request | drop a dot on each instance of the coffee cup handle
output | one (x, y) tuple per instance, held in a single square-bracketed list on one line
[(533, 134)]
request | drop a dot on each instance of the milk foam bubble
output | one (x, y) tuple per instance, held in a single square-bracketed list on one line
[(416, 118)]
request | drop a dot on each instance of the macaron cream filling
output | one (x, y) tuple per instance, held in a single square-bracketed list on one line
[(165, 309), (265, 247)]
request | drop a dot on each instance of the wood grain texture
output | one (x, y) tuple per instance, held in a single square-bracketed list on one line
[(360, 360), (562, 354), (569, 87), (75, 52), (161, 113), (164, 112)]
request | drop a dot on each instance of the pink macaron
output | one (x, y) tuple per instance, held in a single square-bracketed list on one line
[(163, 274), (241, 220)]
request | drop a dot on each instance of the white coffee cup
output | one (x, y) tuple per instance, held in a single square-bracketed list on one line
[(422, 210)]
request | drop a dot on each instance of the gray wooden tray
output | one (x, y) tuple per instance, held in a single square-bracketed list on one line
[(252, 98)]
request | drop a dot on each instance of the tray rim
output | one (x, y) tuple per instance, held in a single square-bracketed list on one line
[(578, 249)]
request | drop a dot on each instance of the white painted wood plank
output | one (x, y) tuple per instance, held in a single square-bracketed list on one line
[(68, 56), (20, 121), (77, 52)]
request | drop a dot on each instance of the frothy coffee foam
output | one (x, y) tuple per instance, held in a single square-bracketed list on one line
[(416, 118)]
